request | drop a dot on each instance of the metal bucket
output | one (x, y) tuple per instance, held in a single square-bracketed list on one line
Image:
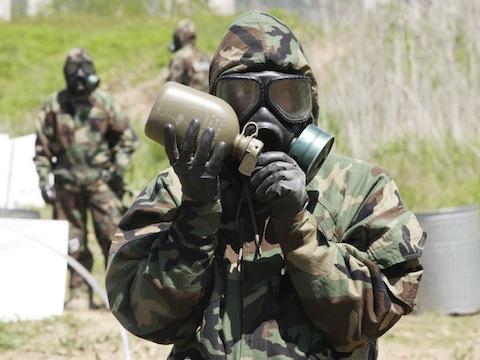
[(451, 259)]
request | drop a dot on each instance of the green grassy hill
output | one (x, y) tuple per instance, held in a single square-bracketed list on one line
[(382, 97)]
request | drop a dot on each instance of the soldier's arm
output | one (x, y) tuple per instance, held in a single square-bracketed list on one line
[(358, 277), (121, 138), (158, 278), (45, 133), (179, 70)]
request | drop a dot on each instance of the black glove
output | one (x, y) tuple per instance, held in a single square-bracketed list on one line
[(197, 171), (115, 182), (49, 194), (280, 183)]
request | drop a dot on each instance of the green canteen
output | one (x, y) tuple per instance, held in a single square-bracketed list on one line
[(178, 104)]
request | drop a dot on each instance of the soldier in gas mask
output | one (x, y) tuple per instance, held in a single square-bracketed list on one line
[(189, 65), (85, 143), (286, 263)]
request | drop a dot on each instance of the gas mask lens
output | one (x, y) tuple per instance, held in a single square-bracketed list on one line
[(287, 96), (291, 98), (241, 94), (72, 68)]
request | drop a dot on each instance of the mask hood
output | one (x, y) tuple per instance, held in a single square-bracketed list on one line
[(257, 41), (183, 35), (77, 55)]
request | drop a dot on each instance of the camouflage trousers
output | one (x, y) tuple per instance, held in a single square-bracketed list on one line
[(73, 204)]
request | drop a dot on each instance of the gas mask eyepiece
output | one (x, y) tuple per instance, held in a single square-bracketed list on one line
[(287, 96)]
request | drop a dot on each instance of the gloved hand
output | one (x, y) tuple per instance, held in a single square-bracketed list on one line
[(49, 194), (197, 171), (280, 183)]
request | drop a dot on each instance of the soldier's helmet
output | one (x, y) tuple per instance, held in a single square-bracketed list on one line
[(184, 34)]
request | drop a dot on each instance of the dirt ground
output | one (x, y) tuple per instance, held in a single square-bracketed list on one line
[(96, 335)]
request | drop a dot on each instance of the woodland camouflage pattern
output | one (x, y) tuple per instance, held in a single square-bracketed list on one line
[(323, 284), (84, 136)]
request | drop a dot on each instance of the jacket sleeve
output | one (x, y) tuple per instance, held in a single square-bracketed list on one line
[(354, 259), (158, 278), (179, 69), (121, 138), (45, 133)]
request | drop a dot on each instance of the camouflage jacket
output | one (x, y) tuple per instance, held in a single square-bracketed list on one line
[(324, 284), (189, 66), (77, 139), (223, 280)]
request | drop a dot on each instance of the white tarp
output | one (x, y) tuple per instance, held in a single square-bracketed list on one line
[(6, 10), (19, 180), (5, 162), (32, 8), (33, 268), (35, 7), (224, 7)]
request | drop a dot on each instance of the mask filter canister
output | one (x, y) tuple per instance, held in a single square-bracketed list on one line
[(310, 149), (92, 82)]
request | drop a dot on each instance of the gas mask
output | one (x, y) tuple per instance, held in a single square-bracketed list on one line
[(80, 77), (175, 45), (280, 105), (184, 34)]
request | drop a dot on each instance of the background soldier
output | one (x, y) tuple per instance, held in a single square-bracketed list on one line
[(189, 64), (85, 141)]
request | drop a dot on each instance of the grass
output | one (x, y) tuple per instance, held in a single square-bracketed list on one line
[(401, 90), (415, 337), (127, 50), (32, 52), (18, 334), (66, 341), (430, 175), (434, 165), (432, 336), (14, 336)]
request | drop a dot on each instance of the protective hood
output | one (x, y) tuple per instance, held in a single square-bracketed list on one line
[(77, 55), (257, 41), (183, 35)]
